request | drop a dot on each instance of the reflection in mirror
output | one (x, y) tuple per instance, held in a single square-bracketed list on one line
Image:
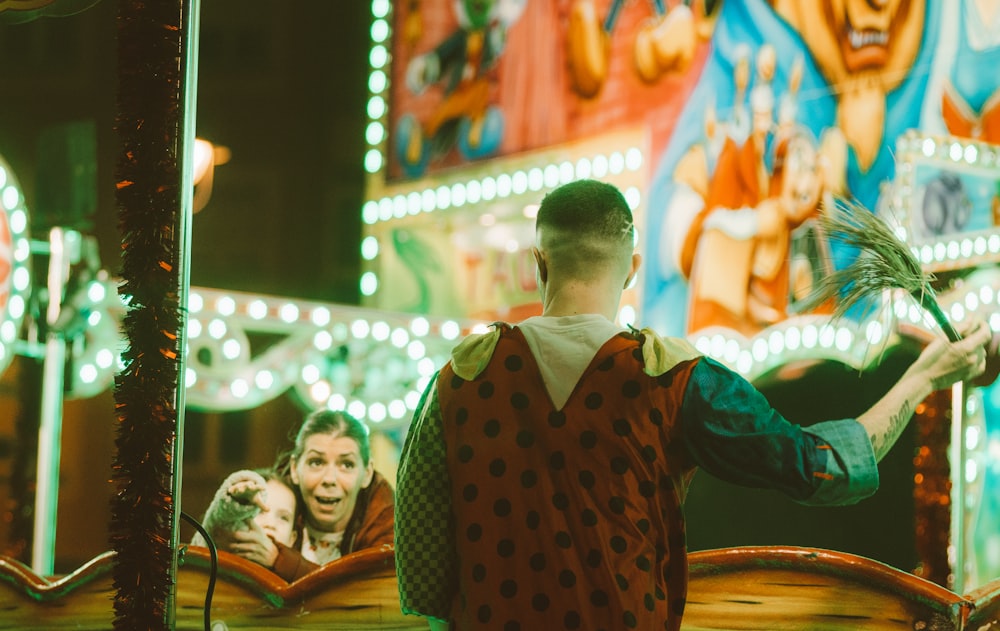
[(281, 97)]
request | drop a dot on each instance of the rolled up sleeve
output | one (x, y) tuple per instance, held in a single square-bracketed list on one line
[(851, 469), (731, 431)]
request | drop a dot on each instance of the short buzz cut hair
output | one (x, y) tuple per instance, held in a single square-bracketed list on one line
[(586, 226)]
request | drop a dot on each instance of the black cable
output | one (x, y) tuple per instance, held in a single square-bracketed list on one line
[(214, 567)]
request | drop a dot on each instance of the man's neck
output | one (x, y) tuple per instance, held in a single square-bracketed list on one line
[(576, 299)]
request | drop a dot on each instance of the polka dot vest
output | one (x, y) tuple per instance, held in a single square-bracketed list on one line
[(571, 518)]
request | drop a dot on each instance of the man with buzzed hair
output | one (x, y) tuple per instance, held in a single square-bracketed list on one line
[(542, 480), (587, 229)]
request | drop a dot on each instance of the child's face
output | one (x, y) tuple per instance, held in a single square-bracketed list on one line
[(279, 520)]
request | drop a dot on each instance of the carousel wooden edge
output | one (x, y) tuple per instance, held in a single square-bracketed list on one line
[(24, 580), (829, 562), (235, 569), (232, 568), (985, 612)]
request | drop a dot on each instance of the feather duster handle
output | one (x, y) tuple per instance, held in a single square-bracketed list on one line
[(928, 301), (884, 262)]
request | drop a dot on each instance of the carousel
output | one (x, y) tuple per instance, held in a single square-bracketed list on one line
[(731, 126)]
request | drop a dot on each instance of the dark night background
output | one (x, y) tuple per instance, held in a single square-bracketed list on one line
[(282, 84)]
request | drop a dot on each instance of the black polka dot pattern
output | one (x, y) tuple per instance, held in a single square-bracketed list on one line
[(492, 428), (594, 400), (497, 467), (519, 401), (529, 479), (567, 579), (474, 532), (508, 589), (513, 363), (533, 520), (525, 439), (548, 500), (465, 453), (486, 390)]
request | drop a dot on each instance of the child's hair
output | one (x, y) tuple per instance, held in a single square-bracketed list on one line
[(268, 473), (272, 473)]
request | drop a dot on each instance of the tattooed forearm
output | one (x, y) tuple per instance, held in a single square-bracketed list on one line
[(885, 438)]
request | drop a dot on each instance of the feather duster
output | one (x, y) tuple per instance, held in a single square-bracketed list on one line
[(883, 262)]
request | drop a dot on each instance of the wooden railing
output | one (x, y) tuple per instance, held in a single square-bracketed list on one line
[(355, 593), (755, 588), (776, 588)]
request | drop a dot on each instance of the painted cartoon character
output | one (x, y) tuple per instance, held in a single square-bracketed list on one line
[(842, 72), (461, 64), (665, 43), (970, 98)]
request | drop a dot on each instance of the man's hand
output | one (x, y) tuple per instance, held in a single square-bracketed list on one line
[(943, 363), (992, 363)]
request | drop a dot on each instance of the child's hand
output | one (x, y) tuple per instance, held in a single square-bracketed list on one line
[(249, 491), (255, 545)]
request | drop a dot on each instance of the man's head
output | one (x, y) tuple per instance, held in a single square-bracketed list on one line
[(584, 233)]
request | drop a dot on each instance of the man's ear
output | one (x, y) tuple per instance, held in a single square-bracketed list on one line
[(633, 269), (543, 271)]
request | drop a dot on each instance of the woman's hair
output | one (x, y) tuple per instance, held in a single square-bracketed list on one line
[(336, 423)]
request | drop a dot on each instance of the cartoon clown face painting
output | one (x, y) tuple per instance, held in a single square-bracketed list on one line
[(865, 49)]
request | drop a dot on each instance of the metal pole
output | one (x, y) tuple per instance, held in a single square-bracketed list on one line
[(43, 542), (957, 455), (190, 22), (50, 423)]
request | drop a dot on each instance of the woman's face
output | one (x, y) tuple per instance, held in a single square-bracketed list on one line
[(329, 474), (278, 520)]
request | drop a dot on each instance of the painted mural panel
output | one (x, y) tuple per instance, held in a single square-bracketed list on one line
[(756, 113), (472, 258), (479, 79), (797, 103)]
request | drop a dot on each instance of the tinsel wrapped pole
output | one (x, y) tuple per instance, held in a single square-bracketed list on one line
[(157, 52)]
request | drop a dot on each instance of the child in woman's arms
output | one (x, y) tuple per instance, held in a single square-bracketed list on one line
[(250, 500)]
